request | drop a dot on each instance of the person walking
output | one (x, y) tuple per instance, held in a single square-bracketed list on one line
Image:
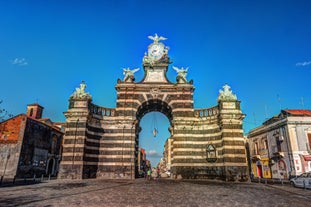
[(149, 173), (158, 173)]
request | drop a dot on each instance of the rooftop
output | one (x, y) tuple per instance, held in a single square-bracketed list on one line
[(297, 112)]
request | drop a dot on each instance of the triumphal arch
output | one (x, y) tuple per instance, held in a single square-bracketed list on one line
[(103, 142)]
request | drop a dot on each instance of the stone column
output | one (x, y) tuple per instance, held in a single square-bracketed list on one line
[(233, 142), (71, 166)]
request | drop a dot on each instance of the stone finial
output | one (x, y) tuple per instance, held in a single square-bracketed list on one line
[(226, 94), (80, 93)]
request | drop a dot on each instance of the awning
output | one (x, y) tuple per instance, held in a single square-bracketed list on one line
[(307, 157)]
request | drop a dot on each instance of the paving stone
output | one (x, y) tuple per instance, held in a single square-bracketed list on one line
[(164, 192)]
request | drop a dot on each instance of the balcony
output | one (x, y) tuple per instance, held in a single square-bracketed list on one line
[(278, 155), (256, 157)]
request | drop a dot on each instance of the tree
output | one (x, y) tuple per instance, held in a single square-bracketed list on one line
[(4, 113)]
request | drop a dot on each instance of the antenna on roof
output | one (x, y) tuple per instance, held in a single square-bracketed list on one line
[(279, 100), (254, 118), (302, 103), (266, 111)]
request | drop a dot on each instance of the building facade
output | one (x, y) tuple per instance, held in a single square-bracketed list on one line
[(168, 154), (280, 147), (141, 162), (30, 146), (103, 142)]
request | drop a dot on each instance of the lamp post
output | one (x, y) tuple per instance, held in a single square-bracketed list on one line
[(131, 153), (135, 148), (74, 146), (123, 167)]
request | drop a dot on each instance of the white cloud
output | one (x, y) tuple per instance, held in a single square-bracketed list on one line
[(303, 63), (153, 153), (19, 62)]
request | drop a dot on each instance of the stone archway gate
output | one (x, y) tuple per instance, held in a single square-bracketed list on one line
[(103, 142)]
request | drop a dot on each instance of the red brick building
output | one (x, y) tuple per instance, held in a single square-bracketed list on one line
[(142, 162), (29, 145)]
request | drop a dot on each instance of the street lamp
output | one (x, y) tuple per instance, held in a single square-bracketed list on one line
[(74, 145)]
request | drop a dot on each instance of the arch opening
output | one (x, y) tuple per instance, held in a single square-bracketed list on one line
[(150, 148), (154, 105)]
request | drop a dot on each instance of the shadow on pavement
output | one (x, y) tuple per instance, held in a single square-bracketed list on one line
[(18, 182)]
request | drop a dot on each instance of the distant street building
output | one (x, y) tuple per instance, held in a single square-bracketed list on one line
[(103, 142), (167, 154), (29, 145), (141, 161), (280, 147)]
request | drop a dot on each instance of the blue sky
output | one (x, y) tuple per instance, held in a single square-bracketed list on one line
[(262, 49)]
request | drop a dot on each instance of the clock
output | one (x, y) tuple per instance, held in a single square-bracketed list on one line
[(156, 51)]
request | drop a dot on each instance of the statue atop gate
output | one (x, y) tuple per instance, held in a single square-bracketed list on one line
[(226, 94), (80, 93), (129, 74), (157, 51), (181, 74), (156, 38)]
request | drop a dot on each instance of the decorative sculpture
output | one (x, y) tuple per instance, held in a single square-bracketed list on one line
[(129, 74), (148, 60), (157, 51), (156, 38), (181, 74), (80, 92), (226, 94)]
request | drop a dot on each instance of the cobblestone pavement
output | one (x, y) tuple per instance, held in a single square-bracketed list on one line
[(164, 192)]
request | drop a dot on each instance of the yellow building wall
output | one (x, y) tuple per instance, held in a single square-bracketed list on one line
[(266, 172), (265, 169), (254, 169)]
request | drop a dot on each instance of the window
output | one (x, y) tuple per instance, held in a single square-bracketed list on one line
[(39, 157), (278, 143), (265, 144), (309, 140), (54, 144), (256, 148)]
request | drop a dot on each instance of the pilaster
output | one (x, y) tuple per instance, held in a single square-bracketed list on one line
[(233, 142), (74, 140)]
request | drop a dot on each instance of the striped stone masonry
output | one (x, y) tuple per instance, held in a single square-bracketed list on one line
[(103, 142)]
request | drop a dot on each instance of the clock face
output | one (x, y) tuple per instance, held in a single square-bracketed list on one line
[(156, 51)]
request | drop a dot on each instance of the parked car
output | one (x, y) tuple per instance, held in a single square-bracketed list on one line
[(303, 180)]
